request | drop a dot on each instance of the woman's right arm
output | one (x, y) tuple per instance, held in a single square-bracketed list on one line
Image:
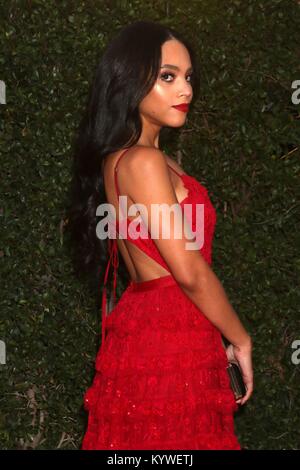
[(211, 299), (207, 292)]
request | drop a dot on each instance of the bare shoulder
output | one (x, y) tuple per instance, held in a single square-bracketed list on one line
[(142, 160), (149, 159)]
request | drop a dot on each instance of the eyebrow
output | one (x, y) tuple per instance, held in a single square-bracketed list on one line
[(170, 66)]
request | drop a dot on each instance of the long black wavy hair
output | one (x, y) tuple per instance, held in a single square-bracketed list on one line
[(125, 74)]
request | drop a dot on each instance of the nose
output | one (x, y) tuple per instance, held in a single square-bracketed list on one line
[(185, 89)]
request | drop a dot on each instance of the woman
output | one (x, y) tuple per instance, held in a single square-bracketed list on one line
[(161, 380)]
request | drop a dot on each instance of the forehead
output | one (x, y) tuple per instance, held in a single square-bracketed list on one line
[(175, 53)]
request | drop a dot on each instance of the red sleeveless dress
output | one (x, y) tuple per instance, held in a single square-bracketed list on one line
[(161, 380)]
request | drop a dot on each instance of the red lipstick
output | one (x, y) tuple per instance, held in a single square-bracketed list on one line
[(182, 107)]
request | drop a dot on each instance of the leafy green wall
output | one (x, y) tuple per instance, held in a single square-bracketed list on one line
[(241, 139)]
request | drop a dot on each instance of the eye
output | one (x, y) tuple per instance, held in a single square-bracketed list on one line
[(166, 74)]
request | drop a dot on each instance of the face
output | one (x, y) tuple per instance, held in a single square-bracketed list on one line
[(172, 87)]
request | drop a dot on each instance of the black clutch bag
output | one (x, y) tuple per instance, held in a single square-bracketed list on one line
[(236, 380)]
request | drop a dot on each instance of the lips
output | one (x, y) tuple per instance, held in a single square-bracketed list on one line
[(182, 107)]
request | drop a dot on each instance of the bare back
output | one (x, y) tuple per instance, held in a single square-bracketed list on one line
[(140, 266)]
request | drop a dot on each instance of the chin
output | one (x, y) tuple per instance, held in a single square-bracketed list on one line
[(178, 123)]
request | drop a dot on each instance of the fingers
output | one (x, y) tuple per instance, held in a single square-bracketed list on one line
[(230, 353), (244, 360), (242, 401)]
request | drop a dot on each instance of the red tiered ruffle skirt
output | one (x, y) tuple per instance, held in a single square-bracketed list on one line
[(161, 380)]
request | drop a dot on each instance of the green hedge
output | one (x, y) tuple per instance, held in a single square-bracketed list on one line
[(241, 140)]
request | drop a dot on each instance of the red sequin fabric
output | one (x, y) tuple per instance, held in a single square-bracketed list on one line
[(161, 381)]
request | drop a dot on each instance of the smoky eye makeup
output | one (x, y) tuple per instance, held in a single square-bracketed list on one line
[(164, 75)]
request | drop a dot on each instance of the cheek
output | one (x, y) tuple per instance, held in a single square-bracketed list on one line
[(157, 101), (157, 97), (161, 93)]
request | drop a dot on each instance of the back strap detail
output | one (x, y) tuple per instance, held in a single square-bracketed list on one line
[(113, 258), (116, 169)]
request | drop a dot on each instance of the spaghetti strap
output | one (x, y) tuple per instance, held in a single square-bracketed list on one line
[(116, 169), (179, 174), (114, 260)]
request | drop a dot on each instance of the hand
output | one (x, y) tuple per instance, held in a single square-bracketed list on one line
[(242, 356)]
